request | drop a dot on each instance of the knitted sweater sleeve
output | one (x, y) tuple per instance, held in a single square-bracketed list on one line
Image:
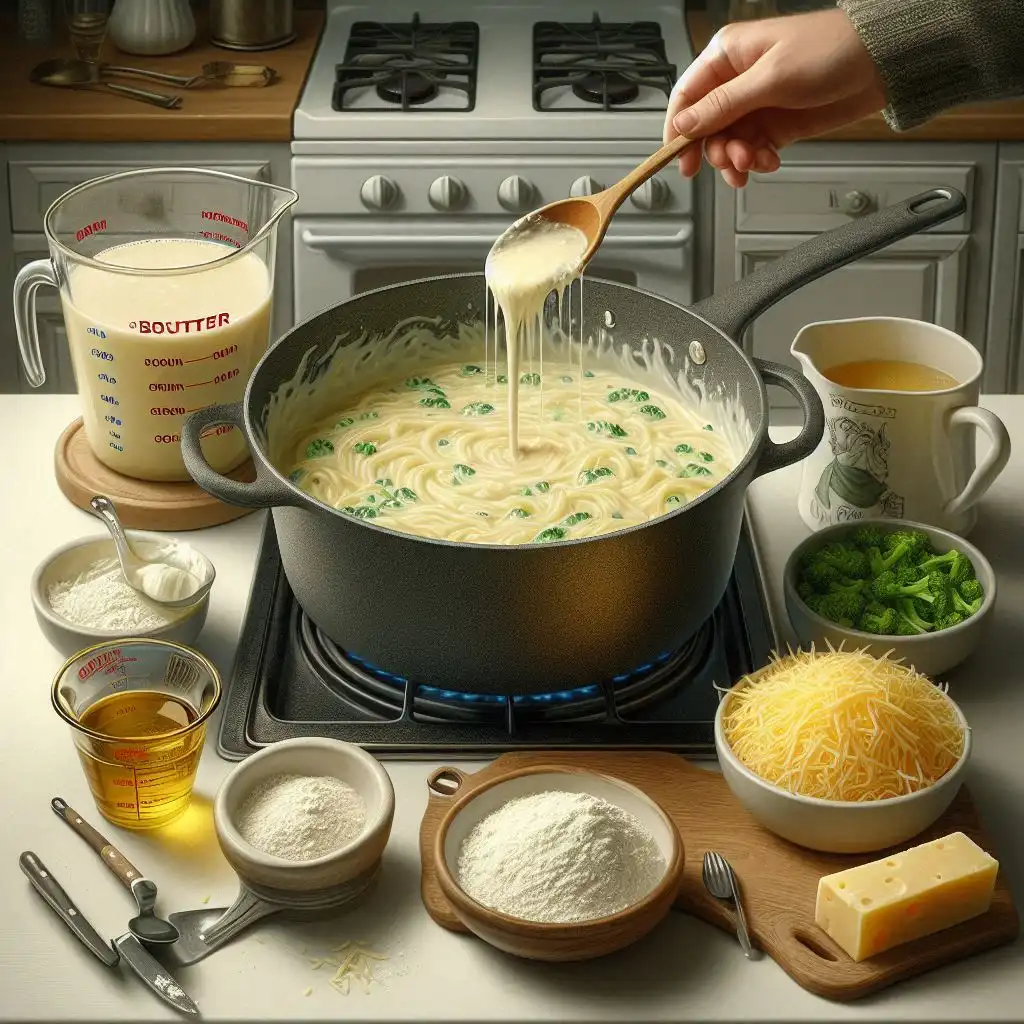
[(937, 54)]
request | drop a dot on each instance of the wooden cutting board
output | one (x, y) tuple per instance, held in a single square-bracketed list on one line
[(141, 504), (779, 880)]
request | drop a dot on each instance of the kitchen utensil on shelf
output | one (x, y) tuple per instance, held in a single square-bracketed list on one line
[(720, 881), (157, 694), (836, 826), (88, 21), (252, 24), (125, 947), (137, 570), (224, 72), (80, 74), (780, 881), (932, 654), (899, 453), (576, 940), (147, 926), (134, 373), (675, 568), (593, 214), (67, 561), (152, 27)]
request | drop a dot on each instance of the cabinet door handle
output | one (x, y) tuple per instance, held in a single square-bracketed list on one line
[(856, 203)]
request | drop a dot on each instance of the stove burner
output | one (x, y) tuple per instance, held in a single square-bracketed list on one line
[(613, 65), (407, 65), (609, 89), (383, 695)]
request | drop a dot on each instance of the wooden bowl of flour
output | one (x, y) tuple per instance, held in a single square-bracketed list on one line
[(558, 939), (343, 872)]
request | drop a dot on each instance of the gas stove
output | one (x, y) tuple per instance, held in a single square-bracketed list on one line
[(290, 680), (477, 70)]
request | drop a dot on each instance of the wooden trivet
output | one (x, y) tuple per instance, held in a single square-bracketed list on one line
[(141, 504), (779, 880)]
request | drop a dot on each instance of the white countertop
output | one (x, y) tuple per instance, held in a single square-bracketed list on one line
[(685, 970)]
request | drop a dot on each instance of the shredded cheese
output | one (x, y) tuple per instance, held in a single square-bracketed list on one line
[(844, 725), (350, 960)]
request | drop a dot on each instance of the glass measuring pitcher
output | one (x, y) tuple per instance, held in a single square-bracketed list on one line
[(166, 280), (138, 711)]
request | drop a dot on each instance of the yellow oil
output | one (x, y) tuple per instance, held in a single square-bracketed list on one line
[(142, 772), (890, 375)]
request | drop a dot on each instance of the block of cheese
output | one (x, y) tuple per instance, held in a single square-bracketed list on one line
[(876, 906)]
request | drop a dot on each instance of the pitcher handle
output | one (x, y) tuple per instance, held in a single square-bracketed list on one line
[(29, 278), (775, 456), (991, 465)]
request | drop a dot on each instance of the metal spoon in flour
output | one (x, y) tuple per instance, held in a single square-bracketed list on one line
[(162, 583)]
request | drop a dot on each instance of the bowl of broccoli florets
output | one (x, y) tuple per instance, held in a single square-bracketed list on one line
[(891, 585)]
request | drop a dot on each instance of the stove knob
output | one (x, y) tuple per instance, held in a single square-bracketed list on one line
[(651, 195), (446, 193), (515, 194), (585, 186), (379, 192)]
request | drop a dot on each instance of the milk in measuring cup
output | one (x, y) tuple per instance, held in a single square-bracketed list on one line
[(148, 350)]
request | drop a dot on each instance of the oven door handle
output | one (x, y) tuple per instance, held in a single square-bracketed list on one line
[(315, 240)]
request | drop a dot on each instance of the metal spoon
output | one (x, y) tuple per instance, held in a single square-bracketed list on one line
[(720, 881), (593, 214), (80, 74), (138, 571), (147, 926)]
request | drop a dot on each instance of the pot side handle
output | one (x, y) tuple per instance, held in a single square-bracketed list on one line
[(775, 456), (264, 492), (735, 308)]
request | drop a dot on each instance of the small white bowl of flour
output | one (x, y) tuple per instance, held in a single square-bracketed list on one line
[(305, 815), (558, 864)]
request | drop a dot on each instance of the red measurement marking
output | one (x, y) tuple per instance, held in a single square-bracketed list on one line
[(201, 384), (90, 229), (225, 218)]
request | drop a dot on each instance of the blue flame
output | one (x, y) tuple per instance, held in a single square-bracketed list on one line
[(523, 700)]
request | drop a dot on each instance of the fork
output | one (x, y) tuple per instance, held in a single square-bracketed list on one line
[(720, 881)]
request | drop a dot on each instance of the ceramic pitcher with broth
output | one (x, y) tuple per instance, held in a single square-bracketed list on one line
[(901, 418)]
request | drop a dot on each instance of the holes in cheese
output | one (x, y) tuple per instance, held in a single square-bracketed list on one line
[(874, 907), (844, 725)]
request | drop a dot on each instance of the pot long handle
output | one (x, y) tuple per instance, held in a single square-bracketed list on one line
[(775, 456), (264, 492), (733, 309)]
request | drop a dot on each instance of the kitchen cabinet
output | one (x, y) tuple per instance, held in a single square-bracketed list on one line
[(32, 176), (941, 275), (1005, 351)]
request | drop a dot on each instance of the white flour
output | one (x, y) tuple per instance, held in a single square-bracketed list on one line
[(301, 817), (559, 857), (99, 597)]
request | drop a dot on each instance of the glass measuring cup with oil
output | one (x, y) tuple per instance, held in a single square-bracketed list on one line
[(138, 711)]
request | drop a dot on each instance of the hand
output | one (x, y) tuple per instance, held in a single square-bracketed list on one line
[(761, 85)]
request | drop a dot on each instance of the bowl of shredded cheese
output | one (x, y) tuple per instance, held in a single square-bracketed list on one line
[(841, 751)]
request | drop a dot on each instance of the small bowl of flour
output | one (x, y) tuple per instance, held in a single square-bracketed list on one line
[(306, 816), (558, 864), (81, 598)]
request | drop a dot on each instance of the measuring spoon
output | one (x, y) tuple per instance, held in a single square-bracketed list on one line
[(81, 74), (593, 214), (147, 926), (149, 578), (226, 72)]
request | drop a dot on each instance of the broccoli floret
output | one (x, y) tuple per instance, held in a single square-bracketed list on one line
[(970, 590), (804, 589), (886, 587), (906, 573), (965, 608), (845, 586), (820, 575), (868, 537), (954, 562), (849, 561), (813, 601), (945, 621), (877, 618), (842, 608), (899, 545), (908, 615)]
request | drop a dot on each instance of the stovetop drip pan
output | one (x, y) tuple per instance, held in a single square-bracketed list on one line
[(290, 680)]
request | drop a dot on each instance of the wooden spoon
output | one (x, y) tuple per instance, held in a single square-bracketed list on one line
[(593, 214)]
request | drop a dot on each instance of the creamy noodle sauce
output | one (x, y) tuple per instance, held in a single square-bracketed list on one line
[(429, 454), (532, 259)]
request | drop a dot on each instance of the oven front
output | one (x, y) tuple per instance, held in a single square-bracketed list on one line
[(337, 257)]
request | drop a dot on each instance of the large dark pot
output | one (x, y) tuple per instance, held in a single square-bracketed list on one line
[(533, 618)]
